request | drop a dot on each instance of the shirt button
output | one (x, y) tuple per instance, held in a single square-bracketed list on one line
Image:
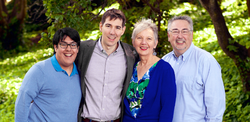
[(103, 109), (104, 96)]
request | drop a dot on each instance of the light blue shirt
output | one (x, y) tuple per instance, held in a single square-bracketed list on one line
[(200, 89), (58, 68), (55, 96)]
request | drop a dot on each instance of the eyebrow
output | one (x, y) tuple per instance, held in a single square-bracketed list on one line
[(107, 24), (68, 43), (148, 36), (178, 29), (115, 25)]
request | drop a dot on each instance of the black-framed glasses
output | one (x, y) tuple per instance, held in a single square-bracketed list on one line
[(64, 45), (183, 32)]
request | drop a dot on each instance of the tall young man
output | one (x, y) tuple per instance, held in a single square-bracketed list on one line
[(106, 66)]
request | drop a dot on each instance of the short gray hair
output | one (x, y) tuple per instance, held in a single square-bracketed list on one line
[(185, 17), (142, 25)]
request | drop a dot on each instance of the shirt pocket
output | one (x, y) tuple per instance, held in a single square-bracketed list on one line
[(198, 84), (184, 84), (189, 85)]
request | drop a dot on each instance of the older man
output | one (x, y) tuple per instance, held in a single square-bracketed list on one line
[(200, 90)]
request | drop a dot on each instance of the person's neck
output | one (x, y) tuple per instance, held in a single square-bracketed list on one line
[(109, 49), (177, 54), (145, 63), (68, 69), (148, 60)]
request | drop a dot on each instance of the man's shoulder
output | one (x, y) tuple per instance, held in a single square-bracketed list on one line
[(203, 53), (126, 45), (87, 42), (167, 56), (130, 51), (43, 63), (204, 56), (40, 67)]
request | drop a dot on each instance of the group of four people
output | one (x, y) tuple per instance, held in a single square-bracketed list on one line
[(110, 81)]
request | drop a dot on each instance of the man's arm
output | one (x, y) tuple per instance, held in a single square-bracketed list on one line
[(27, 92), (214, 92)]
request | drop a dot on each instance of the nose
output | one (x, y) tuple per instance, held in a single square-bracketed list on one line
[(68, 47), (180, 35), (112, 31), (144, 41)]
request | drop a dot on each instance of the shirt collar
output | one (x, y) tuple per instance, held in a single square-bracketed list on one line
[(184, 56), (58, 68), (101, 48)]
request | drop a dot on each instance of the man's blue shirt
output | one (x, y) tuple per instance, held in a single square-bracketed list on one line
[(58, 68), (200, 90), (48, 94)]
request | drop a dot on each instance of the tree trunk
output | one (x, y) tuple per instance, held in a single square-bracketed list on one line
[(248, 7), (11, 23), (240, 55), (3, 9)]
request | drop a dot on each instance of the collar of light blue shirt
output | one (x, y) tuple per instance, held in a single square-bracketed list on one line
[(101, 48), (58, 68), (185, 54)]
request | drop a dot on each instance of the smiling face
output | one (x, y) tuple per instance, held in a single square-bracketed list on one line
[(112, 31), (180, 42), (66, 57), (145, 42)]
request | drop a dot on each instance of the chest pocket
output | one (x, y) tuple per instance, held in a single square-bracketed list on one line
[(198, 84), (187, 84)]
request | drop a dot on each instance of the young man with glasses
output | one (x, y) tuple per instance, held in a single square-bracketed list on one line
[(106, 66), (200, 90), (50, 91)]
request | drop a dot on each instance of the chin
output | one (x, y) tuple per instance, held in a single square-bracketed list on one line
[(143, 54), (183, 48)]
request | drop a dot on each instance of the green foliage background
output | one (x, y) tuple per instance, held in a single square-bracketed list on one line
[(13, 69)]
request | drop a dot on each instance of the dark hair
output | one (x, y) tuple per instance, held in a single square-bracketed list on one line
[(114, 14), (61, 34)]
